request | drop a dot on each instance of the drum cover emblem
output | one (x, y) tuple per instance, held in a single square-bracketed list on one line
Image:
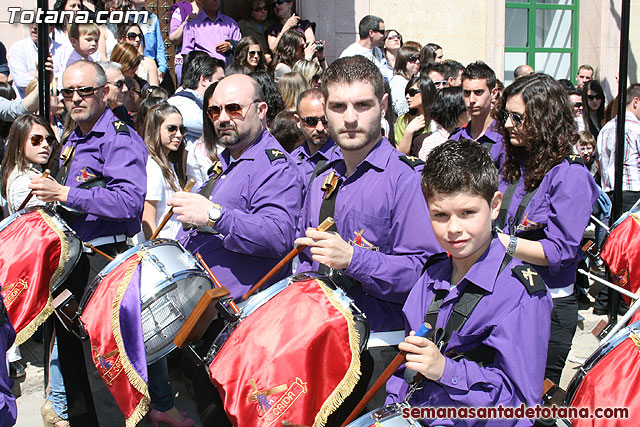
[(269, 410), (85, 175), (109, 364), (14, 293)]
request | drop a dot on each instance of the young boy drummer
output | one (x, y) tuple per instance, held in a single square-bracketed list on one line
[(492, 350)]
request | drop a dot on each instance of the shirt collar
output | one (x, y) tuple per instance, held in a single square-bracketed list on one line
[(324, 151), (204, 16), (249, 154), (100, 126)]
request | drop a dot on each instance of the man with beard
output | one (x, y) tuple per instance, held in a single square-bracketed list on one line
[(317, 147), (381, 237)]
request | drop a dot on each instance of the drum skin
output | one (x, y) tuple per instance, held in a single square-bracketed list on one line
[(609, 378)]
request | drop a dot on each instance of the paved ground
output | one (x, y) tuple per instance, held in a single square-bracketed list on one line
[(30, 391)]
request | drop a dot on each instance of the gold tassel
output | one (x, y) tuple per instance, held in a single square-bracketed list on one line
[(352, 376)]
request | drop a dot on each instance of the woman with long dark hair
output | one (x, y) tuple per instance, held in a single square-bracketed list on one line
[(548, 195), (249, 54), (407, 64), (593, 107), (448, 112), (290, 49), (419, 92)]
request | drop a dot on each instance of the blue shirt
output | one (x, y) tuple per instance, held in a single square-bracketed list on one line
[(153, 43)]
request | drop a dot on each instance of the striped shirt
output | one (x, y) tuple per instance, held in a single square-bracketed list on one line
[(606, 151)]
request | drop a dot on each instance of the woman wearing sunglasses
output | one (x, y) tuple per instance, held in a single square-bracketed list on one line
[(164, 133), (249, 54), (593, 107), (419, 92), (547, 197), (391, 46), (288, 20), (407, 65), (147, 70), (30, 144)]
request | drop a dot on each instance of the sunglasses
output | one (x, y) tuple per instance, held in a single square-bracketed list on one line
[(36, 140), (440, 83), (174, 129), (133, 36), (118, 83), (413, 92), (413, 58), (234, 110), (255, 52), (379, 31), (280, 2), (593, 97), (82, 91), (260, 9), (516, 118), (313, 121), (394, 37), (577, 105)]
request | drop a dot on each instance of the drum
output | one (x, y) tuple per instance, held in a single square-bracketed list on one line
[(38, 251), (387, 416), (172, 281), (609, 378), (294, 352)]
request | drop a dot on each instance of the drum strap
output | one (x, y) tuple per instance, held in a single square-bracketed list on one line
[(215, 171), (67, 159), (506, 203)]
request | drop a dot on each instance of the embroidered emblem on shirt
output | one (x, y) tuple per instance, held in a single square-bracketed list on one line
[(85, 175), (575, 158), (412, 161), (14, 291), (274, 154), (362, 242), (120, 126), (530, 278), (270, 410), (528, 225)]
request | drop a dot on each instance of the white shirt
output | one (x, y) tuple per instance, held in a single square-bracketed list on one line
[(159, 190), (198, 163), (607, 149), (191, 116), (22, 58), (18, 188), (439, 136), (374, 55), (399, 102)]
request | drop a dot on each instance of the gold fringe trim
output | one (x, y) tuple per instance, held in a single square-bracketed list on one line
[(134, 378), (636, 340), (44, 314), (352, 376)]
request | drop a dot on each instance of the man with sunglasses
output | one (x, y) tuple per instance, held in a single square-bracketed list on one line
[(381, 237), (317, 148), (101, 186), (371, 33), (117, 90)]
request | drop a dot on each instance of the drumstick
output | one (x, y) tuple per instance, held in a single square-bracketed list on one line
[(30, 195), (393, 366), (326, 224), (98, 251), (216, 283), (169, 214)]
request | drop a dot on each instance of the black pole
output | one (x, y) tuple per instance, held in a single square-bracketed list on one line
[(43, 52), (614, 297)]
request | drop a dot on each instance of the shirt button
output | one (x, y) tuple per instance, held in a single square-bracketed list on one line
[(454, 380), (223, 177)]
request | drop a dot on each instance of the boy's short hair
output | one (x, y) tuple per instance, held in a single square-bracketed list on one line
[(586, 138), (480, 70), (77, 30), (350, 70), (460, 166)]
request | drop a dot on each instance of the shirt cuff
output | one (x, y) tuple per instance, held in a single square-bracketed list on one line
[(553, 256), (223, 224), (360, 264), (454, 375)]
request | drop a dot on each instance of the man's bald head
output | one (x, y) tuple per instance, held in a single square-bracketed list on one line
[(84, 66), (523, 70), (242, 84)]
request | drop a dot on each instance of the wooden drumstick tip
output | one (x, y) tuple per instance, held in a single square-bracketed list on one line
[(189, 185), (46, 173), (326, 224)]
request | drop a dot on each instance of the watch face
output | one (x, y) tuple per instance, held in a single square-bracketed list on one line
[(214, 213)]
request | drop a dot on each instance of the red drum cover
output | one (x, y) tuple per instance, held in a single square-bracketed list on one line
[(613, 382), (295, 358), (621, 252), (33, 253)]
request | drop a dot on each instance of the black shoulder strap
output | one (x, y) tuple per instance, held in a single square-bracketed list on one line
[(328, 209), (317, 169), (521, 208), (67, 157), (189, 95), (207, 189), (504, 208), (488, 144)]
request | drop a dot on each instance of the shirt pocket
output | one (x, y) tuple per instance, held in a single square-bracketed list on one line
[(535, 218), (366, 231)]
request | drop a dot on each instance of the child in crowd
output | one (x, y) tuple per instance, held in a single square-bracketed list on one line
[(493, 353), (587, 150), (84, 39)]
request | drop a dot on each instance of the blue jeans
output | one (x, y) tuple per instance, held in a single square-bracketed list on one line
[(57, 394), (159, 387)]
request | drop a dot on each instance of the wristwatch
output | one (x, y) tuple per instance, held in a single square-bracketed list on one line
[(511, 247), (214, 214)]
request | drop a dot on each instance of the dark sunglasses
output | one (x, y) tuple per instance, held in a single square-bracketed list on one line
[(255, 52), (394, 36), (118, 83), (413, 58), (133, 36), (577, 105), (174, 129), (36, 140), (593, 97), (234, 110), (313, 121), (260, 9), (413, 91), (280, 2), (379, 31), (516, 118), (82, 91)]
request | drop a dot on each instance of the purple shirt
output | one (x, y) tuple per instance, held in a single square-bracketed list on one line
[(556, 216), (260, 201), (120, 158), (307, 163), (490, 139), (204, 33), (381, 212), (508, 319), (8, 408)]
